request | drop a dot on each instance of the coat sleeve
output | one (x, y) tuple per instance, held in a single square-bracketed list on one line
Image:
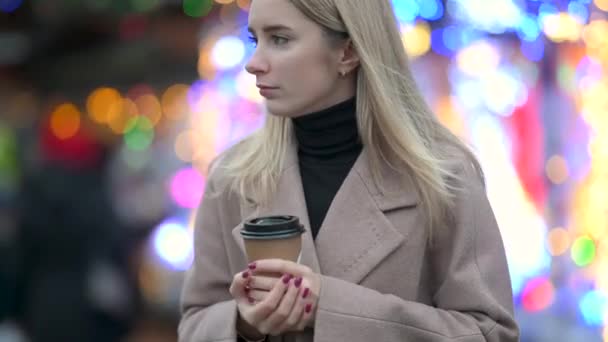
[(208, 312), (472, 297)]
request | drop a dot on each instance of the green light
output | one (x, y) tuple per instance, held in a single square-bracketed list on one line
[(140, 134), (197, 8), (583, 251)]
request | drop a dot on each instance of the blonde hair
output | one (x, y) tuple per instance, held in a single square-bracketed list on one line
[(395, 124)]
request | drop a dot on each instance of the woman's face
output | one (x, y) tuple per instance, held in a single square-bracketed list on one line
[(296, 67)]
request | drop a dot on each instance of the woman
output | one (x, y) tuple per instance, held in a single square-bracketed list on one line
[(401, 243)]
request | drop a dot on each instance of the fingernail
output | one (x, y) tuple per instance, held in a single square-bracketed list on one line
[(298, 282), (286, 278), (245, 274), (306, 291), (251, 300), (252, 266), (308, 308), (247, 289)]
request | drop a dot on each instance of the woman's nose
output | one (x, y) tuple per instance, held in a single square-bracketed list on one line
[(256, 64)]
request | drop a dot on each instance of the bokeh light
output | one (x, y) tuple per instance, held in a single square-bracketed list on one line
[(65, 121), (228, 52), (139, 133), (187, 188), (594, 308), (103, 104), (197, 8), (173, 243), (583, 251), (538, 294), (174, 102)]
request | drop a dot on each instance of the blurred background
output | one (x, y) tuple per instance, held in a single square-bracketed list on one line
[(111, 110)]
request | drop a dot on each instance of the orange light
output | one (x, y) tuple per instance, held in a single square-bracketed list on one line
[(65, 121)]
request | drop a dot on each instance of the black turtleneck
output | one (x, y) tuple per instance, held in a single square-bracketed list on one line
[(328, 145)]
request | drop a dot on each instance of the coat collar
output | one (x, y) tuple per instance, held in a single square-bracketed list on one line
[(355, 235)]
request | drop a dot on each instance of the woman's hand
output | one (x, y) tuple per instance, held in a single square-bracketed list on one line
[(274, 312), (309, 283)]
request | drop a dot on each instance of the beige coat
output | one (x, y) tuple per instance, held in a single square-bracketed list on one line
[(381, 280)]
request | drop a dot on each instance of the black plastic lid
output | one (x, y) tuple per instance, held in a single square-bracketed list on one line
[(279, 226)]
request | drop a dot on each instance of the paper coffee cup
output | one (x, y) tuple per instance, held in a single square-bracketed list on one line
[(273, 237)]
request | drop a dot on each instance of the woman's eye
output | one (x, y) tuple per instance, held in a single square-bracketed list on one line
[(277, 40), (253, 40)]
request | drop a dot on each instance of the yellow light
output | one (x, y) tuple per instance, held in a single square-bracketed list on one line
[(601, 4), (562, 27), (103, 104), (65, 121), (416, 39), (478, 59), (174, 102), (224, 2), (594, 34)]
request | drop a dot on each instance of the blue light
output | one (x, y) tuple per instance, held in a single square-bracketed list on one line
[(9, 6), (451, 37), (579, 11), (173, 243), (528, 28), (406, 10), (593, 307), (431, 9), (534, 50), (437, 43)]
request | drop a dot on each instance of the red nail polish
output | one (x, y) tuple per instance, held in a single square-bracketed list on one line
[(247, 289), (308, 308), (306, 291), (251, 300), (298, 282), (252, 266), (286, 278), (245, 274)]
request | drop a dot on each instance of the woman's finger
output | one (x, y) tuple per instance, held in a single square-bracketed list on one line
[(279, 316), (238, 289), (262, 282), (297, 313), (258, 295), (267, 306)]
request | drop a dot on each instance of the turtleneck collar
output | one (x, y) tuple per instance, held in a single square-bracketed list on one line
[(329, 134)]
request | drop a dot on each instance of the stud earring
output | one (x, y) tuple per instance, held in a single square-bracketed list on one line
[(342, 73)]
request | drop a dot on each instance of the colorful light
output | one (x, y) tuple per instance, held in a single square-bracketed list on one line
[(187, 188), (65, 121), (197, 8), (173, 243), (139, 133), (228, 52), (583, 251), (416, 39), (538, 295), (594, 308)]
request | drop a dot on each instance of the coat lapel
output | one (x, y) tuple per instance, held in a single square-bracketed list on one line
[(356, 235)]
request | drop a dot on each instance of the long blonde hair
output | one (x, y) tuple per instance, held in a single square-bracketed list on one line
[(396, 126)]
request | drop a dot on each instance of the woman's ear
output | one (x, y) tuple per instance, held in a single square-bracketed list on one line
[(350, 58)]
